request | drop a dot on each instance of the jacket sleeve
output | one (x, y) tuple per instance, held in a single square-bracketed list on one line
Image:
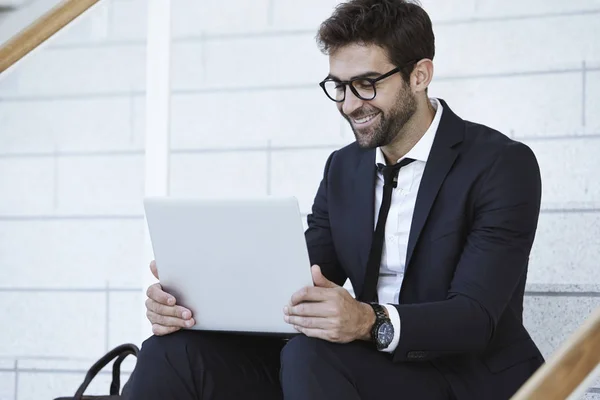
[(321, 249), (493, 261)]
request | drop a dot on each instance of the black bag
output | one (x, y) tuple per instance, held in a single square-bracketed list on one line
[(120, 353)]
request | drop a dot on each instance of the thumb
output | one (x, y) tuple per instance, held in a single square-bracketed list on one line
[(319, 279), (154, 269)]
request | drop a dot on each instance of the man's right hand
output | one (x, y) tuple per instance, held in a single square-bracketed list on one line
[(162, 310)]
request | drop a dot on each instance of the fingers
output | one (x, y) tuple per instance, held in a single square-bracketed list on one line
[(310, 294), (308, 322), (315, 333), (156, 293), (154, 269), (319, 279), (321, 309), (167, 321), (169, 311), (160, 330), (166, 317)]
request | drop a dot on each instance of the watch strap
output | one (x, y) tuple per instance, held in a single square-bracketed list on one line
[(380, 318), (379, 311)]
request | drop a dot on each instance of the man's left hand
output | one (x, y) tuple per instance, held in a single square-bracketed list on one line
[(327, 311)]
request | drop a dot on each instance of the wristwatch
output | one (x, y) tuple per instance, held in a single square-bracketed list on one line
[(382, 332)]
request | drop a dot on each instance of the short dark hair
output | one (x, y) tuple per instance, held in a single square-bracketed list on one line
[(400, 27)]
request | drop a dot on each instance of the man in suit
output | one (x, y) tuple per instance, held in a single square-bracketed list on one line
[(430, 217)]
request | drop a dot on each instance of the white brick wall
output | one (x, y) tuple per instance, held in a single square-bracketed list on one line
[(69, 125), (7, 381), (248, 118), (493, 9), (566, 248), (31, 183), (513, 41), (38, 324), (592, 104), (122, 307), (519, 106), (307, 15), (225, 62), (128, 20), (566, 165), (62, 253), (77, 71), (219, 174), (293, 175), (100, 184), (191, 17), (285, 117)]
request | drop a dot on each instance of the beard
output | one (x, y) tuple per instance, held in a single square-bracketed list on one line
[(390, 123)]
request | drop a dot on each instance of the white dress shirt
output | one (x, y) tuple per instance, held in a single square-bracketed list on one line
[(399, 220)]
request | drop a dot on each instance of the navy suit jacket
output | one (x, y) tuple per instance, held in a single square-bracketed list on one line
[(461, 301)]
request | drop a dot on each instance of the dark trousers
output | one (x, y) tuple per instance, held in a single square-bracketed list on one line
[(193, 365)]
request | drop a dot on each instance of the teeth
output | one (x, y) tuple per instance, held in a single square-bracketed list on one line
[(365, 119)]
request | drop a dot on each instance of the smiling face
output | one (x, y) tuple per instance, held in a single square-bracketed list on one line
[(380, 121)]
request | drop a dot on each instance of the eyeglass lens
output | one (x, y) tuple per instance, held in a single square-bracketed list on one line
[(363, 88)]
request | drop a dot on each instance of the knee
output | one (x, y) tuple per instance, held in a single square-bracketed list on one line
[(302, 352), (165, 346)]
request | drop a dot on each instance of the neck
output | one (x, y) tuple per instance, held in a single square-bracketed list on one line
[(411, 132)]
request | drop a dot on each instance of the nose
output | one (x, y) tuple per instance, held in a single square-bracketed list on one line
[(351, 102)]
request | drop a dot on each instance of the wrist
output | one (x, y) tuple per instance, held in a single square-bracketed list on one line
[(383, 330), (369, 319)]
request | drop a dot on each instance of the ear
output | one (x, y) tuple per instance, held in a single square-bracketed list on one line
[(421, 76)]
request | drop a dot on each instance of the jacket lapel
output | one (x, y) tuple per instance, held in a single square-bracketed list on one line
[(441, 158), (363, 212)]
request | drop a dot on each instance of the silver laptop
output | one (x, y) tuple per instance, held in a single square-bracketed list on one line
[(234, 263)]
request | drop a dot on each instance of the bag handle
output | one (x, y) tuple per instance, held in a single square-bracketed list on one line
[(115, 385), (121, 352)]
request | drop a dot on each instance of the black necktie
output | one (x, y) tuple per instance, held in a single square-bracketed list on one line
[(390, 181)]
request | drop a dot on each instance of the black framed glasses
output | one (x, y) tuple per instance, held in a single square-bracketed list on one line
[(363, 88)]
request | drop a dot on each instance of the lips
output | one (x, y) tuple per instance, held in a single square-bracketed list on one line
[(365, 119)]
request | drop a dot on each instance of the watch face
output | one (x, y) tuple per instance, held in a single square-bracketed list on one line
[(385, 334)]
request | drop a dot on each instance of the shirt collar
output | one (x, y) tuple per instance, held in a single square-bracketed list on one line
[(421, 150)]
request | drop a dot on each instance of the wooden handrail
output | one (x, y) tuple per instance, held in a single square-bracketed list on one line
[(40, 30), (568, 367)]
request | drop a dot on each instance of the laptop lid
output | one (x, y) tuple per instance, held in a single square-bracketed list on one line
[(235, 263)]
